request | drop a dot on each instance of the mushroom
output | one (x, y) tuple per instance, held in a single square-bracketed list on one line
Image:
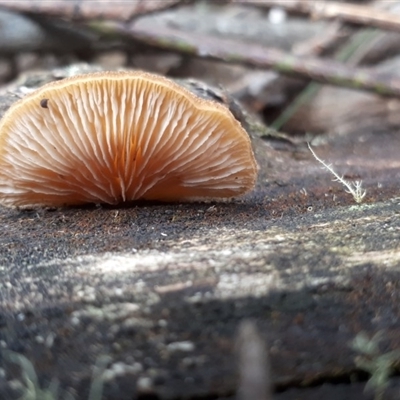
[(113, 137)]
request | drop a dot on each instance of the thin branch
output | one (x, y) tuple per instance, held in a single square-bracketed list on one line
[(347, 54), (85, 10), (204, 46), (354, 13)]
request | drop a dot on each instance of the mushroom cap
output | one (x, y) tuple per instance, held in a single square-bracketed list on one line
[(113, 137)]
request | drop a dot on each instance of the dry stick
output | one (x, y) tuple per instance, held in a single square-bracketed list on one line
[(312, 88), (344, 55), (324, 71), (87, 10), (319, 45), (362, 15), (351, 54)]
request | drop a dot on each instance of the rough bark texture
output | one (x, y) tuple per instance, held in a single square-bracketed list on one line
[(162, 288)]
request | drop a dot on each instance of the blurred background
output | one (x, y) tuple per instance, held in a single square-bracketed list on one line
[(167, 36)]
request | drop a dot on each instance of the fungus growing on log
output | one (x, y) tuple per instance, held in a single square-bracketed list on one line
[(114, 137)]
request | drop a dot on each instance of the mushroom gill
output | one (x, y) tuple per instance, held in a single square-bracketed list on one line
[(113, 137)]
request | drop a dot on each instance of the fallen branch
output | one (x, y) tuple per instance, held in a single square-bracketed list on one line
[(212, 47), (85, 10), (354, 13)]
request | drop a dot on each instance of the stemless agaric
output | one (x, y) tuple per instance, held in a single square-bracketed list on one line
[(113, 137)]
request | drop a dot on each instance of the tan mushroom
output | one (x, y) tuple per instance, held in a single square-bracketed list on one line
[(113, 137)]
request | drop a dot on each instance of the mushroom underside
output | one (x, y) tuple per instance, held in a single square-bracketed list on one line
[(116, 140)]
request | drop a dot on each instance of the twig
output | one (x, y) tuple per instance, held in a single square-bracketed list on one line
[(324, 71), (89, 10), (358, 14), (354, 188), (346, 54), (319, 45)]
